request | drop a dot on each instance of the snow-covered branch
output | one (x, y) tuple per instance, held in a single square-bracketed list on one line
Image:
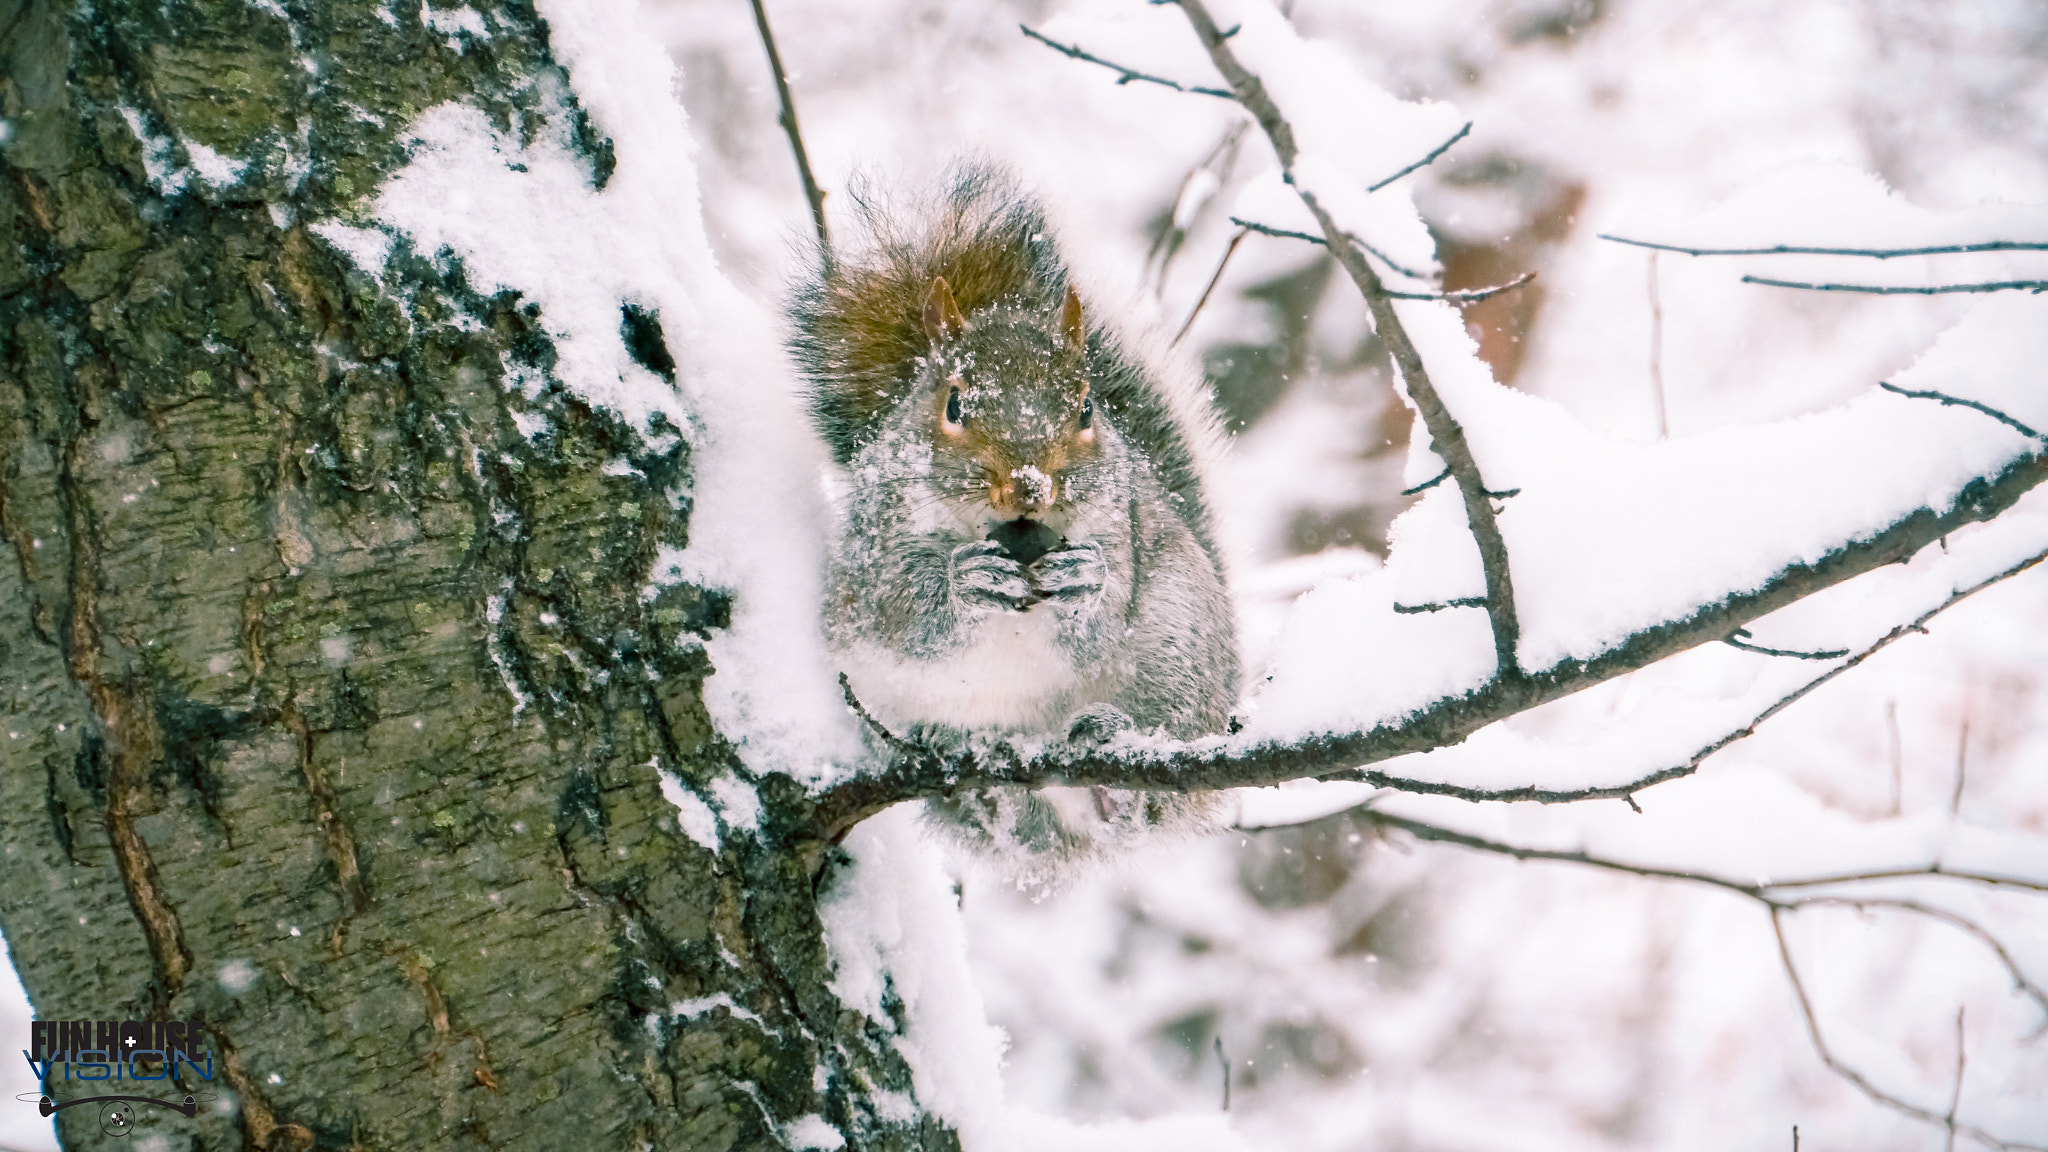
[(916, 769), (1628, 554), (1447, 436)]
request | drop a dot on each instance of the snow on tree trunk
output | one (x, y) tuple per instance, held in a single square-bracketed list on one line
[(338, 684)]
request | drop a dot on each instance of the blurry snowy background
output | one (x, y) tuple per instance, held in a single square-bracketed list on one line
[(1369, 991)]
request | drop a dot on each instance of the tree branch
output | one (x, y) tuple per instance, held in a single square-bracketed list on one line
[(1739, 639), (1124, 75), (812, 193), (1765, 894), (1389, 261), (1230, 250), (1885, 290), (1446, 436), (912, 770), (1958, 402), (1862, 1084), (1628, 790), (1426, 161), (1871, 253)]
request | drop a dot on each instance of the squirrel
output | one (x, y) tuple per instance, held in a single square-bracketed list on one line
[(1022, 544)]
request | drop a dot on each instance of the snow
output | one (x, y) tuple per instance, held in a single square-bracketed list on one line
[(1367, 989), (812, 1132), (890, 922), (693, 815), (366, 248), (757, 521), (216, 170)]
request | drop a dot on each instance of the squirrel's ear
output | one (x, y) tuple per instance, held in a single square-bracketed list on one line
[(1072, 323), (942, 318)]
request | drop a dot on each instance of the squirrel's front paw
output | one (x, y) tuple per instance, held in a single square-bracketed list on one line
[(1075, 572), (981, 576), (1098, 724)]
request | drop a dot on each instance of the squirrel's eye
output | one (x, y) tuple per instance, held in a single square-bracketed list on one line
[(1088, 412), (953, 407)]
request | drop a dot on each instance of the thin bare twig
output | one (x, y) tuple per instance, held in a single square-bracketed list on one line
[(1467, 295), (1935, 870), (1224, 1062), (1440, 605), (1740, 640), (1891, 728), (1872, 253), (1173, 232), (1426, 485), (1863, 1084), (1955, 1096), (1888, 290), (1426, 161), (1446, 436), (1959, 402), (812, 193), (880, 729), (1124, 75), (1657, 353), (1389, 261), (1955, 800), (1618, 791), (1764, 894), (2020, 982), (1228, 251)]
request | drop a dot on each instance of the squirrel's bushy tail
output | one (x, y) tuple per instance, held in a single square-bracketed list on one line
[(859, 317)]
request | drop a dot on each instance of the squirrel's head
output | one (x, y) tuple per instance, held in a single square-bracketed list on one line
[(1006, 394)]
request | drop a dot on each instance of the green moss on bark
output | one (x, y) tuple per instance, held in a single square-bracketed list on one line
[(331, 708)]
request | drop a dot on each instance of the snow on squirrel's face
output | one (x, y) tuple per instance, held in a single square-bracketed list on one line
[(1010, 415)]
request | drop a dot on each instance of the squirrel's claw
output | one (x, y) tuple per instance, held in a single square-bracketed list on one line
[(1098, 724), (1074, 572), (982, 576)]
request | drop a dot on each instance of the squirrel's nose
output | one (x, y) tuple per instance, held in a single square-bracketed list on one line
[(1024, 491)]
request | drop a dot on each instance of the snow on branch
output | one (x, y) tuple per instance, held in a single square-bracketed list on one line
[(1446, 435), (1624, 554)]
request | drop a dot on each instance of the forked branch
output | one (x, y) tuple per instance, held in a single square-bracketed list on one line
[(1862, 1082), (911, 770), (1446, 436), (1770, 895)]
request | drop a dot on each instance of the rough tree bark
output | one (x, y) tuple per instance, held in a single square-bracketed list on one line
[(330, 709), (334, 706)]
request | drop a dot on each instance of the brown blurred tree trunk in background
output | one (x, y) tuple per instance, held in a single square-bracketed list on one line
[(330, 709)]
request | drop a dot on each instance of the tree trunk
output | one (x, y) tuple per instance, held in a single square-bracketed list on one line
[(334, 715)]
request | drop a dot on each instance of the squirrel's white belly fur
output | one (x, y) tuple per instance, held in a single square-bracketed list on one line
[(1012, 676)]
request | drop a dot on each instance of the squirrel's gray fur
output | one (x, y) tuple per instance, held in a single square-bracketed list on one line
[(961, 383)]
